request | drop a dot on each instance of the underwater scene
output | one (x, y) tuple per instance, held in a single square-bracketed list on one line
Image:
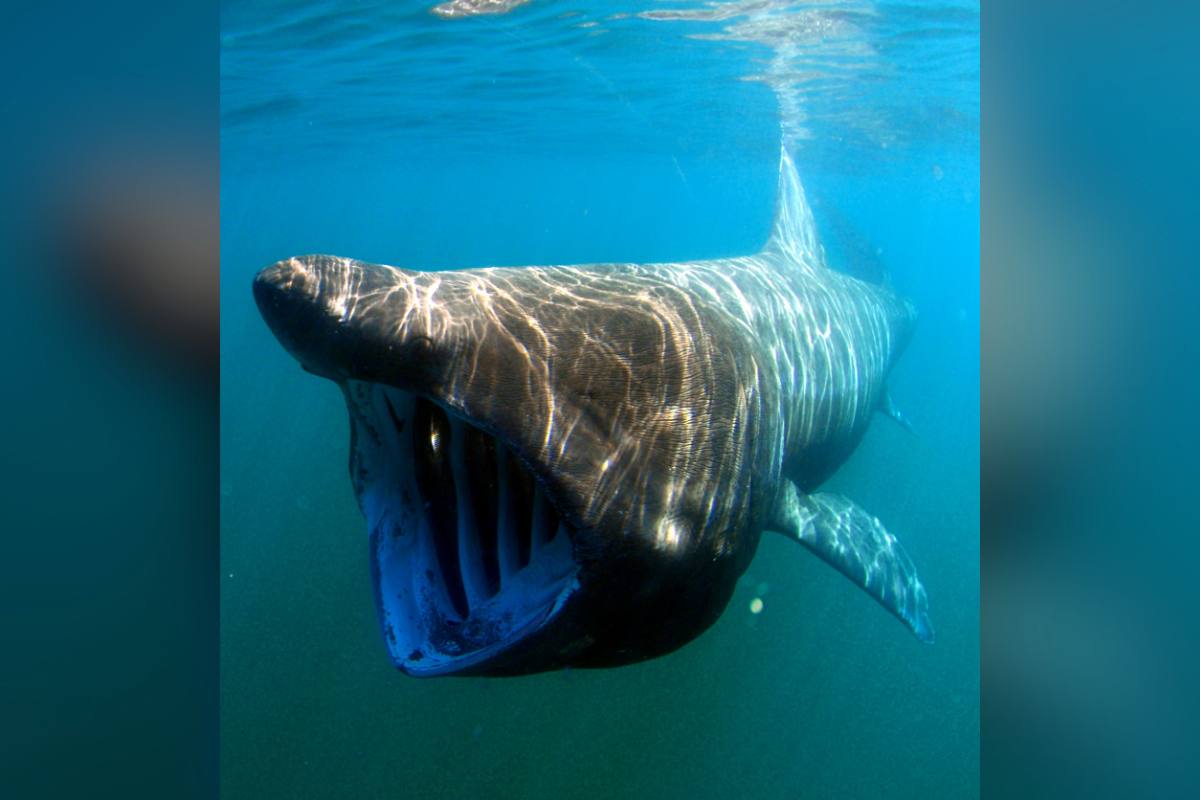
[(693, 515)]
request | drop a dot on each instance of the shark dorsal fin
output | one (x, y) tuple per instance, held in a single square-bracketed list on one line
[(795, 231)]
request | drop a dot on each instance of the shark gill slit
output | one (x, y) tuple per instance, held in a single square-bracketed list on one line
[(479, 451), (488, 517), (397, 420), (519, 507), (435, 484), (507, 551), (545, 521)]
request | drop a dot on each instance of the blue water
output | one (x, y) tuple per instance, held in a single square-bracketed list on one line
[(558, 134)]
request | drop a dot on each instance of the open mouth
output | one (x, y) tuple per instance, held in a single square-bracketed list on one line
[(469, 555)]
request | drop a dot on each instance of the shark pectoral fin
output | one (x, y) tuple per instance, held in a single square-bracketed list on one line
[(856, 543), (888, 407)]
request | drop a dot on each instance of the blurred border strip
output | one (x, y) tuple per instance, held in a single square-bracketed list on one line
[(1089, 387), (110, 670)]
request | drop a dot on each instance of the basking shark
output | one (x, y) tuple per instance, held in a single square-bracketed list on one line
[(572, 465)]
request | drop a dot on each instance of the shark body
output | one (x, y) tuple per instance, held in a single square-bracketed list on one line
[(572, 465)]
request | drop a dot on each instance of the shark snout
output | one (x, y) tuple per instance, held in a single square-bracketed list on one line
[(344, 319), (295, 298), (290, 279)]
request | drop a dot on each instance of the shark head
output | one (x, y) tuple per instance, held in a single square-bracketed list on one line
[(559, 466)]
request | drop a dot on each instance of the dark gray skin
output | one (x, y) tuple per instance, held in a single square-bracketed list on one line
[(669, 413)]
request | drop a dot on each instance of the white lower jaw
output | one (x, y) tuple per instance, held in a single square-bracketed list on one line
[(440, 614)]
